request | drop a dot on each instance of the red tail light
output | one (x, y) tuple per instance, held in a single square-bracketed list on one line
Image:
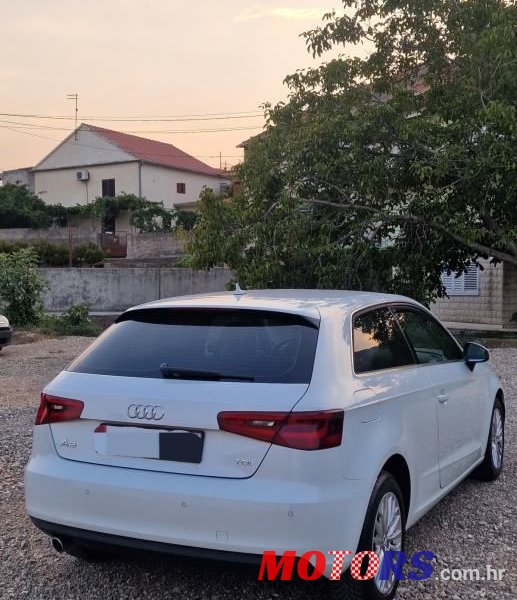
[(314, 430), (56, 410)]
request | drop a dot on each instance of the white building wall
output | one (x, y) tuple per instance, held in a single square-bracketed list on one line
[(90, 148), (159, 184), (61, 186), (18, 177)]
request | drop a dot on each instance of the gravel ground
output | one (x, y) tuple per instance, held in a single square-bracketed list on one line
[(474, 526)]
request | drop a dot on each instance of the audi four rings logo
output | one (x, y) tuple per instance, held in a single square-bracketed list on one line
[(145, 411)]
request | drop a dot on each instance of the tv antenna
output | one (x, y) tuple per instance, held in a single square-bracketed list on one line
[(76, 98)]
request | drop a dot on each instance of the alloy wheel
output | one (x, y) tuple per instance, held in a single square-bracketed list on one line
[(497, 438), (387, 536)]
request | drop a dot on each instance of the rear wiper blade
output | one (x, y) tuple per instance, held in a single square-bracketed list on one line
[(181, 373)]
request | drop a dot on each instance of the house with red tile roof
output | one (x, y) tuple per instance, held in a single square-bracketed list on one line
[(93, 161)]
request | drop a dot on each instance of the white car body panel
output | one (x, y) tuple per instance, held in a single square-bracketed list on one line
[(187, 404), (285, 499)]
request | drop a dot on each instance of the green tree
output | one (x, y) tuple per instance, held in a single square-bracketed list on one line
[(381, 172), (21, 287), (21, 208), (212, 230)]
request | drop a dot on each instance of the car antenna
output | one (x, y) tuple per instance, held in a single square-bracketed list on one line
[(238, 291)]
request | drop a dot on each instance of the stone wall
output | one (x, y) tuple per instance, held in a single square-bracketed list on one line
[(509, 295), (486, 308), (54, 235), (118, 289), (150, 245), (139, 245)]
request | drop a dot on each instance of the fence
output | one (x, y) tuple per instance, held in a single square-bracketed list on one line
[(114, 245)]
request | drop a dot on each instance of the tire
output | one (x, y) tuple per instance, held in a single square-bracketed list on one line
[(348, 588), (492, 465)]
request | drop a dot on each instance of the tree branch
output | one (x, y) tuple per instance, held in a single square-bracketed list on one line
[(480, 248), (492, 224)]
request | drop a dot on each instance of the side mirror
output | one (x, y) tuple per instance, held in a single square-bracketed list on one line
[(474, 353)]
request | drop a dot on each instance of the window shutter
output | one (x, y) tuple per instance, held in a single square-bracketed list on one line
[(457, 283), (466, 284), (471, 279), (447, 281)]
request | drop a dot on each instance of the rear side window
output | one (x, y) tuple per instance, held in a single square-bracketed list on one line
[(247, 345), (430, 341), (379, 343)]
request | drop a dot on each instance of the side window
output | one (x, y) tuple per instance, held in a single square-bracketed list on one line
[(431, 343), (379, 343)]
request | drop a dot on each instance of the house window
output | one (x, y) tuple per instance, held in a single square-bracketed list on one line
[(181, 188), (464, 284), (108, 188)]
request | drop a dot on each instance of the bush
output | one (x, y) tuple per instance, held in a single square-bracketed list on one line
[(75, 321), (21, 286), (56, 255), (87, 255), (10, 247), (184, 262), (51, 255), (186, 219), (77, 315)]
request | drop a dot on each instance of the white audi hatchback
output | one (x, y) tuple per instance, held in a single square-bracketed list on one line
[(228, 424)]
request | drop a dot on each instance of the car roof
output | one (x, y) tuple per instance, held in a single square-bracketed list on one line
[(310, 303)]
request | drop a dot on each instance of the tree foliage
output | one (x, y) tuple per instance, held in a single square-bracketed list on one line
[(56, 255), (21, 287), (186, 219), (381, 172), (146, 215), (21, 208), (74, 321), (87, 255)]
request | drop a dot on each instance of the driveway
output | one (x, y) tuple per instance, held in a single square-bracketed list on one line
[(474, 526)]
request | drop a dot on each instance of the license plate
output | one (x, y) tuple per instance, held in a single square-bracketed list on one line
[(181, 446), (177, 445)]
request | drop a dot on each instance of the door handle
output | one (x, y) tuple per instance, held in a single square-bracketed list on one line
[(442, 398)]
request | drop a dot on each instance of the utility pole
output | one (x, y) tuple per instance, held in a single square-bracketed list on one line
[(220, 161), (76, 98), (159, 266), (70, 246)]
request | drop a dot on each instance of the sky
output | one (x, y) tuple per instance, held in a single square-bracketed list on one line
[(140, 58)]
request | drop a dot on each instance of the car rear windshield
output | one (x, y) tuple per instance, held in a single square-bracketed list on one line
[(245, 345)]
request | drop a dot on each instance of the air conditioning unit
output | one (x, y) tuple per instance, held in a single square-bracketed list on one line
[(82, 175)]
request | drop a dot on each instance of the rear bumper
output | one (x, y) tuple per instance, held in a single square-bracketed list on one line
[(118, 543), (5, 337), (163, 511)]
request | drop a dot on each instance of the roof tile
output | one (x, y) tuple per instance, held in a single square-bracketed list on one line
[(152, 151)]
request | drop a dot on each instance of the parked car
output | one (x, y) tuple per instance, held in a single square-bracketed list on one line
[(5, 332), (223, 425)]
